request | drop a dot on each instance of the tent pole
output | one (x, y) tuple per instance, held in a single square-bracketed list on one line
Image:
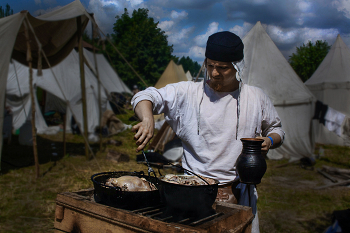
[(29, 59), (99, 86), (200, 70), (82, 78), (64, 135)]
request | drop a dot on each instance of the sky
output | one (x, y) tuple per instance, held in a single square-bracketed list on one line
[(188, 23)]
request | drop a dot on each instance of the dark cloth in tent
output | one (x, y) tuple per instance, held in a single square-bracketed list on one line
[(320, 112), (332, 119), (74, 127)]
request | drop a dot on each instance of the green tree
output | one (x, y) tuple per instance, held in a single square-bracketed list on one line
[(143, 45), (308, 57), (6, 12), (189, 65)]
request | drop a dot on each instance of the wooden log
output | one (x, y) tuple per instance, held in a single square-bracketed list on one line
[(336, 170), (333, 185), (327, 176)]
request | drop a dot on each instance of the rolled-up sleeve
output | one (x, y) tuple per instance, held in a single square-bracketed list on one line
[(271, 122), (164, 100), (148, 94), (167, 100)]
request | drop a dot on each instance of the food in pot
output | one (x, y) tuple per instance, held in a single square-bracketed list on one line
[(187, 180), (131, 183)]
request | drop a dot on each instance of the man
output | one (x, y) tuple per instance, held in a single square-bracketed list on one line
[(211, 117)]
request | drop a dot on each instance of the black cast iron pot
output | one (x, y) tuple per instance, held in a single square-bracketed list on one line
[(189, 201), (115, 197)]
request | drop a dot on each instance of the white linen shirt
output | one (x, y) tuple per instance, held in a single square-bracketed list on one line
[(206, 121)]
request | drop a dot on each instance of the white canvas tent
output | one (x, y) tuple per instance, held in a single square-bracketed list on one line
[(330, 84), (69, 79), (266, 68), (107, 75), (18, 99), (63, 85), (189, 76), (57, 32)]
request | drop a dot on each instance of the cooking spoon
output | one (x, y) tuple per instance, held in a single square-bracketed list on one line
[(150, 169)]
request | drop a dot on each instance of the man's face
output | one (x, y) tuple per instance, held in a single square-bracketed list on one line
[(222, 76)]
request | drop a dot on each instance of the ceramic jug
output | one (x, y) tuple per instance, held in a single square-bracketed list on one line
[(251, 165)]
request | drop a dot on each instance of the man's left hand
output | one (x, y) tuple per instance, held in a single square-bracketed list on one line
[(265, 146)]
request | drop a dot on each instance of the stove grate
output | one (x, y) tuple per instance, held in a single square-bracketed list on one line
[(159, 213)]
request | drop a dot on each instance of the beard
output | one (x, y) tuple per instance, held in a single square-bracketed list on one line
[(215, 86)]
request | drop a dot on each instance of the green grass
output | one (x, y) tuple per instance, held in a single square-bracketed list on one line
[(337, 155), (287, 200)]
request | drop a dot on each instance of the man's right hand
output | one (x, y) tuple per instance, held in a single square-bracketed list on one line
[(145, 129), (144, 133)]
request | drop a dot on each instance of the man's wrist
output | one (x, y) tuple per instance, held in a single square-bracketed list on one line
[(270, 140)]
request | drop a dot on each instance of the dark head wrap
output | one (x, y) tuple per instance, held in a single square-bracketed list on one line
[(224, 46)]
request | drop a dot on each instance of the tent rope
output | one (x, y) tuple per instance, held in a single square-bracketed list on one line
[(109, 97), (94, 73), (110, 61), (124, 58), (94, 32)]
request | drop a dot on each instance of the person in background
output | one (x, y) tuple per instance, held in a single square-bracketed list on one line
[(211, 116), (135, 89)]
